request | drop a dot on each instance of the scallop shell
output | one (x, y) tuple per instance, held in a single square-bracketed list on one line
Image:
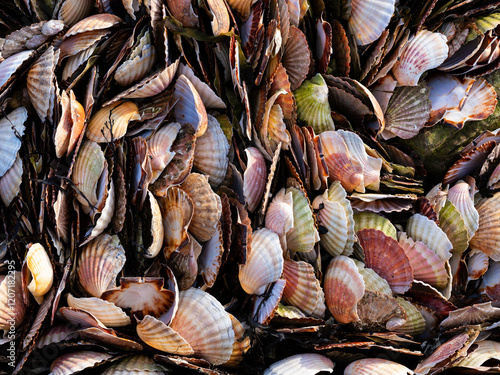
[(264, 263), (265, 305), (392, 264), (422, 229), (301, 364), (339, 163), (70, 363), (460, 196), (472, 314), (477, 265), (453, 225), (156, 227), (373, 282), (41, 270), (313, 108), (211, 257), (344, 288), (487, 237), (16, 311), (99, 263), (207, 206), (190, 107), (177, 211), (94, 22), (296, 58), (212, 337), (254, 178), (242, 7), (485, 350), (415, 322), (80, 42), (426, 265), (369, 19), (427, 50), (157, 334), (136, 365), (70, 125), (182, 11), (491, 281), (241, 343), (40, 83), (139, 62), (304, 234), (73, 11), (89, 166), (279, 215), (144, 295), (208, 96), (303, 289), (376, 366), (332, 220), (10, 182), (366, 220), (73, 63), (107, 313), (336, 193), (211, 152), (159, 148), (10, 65), (111, 122)]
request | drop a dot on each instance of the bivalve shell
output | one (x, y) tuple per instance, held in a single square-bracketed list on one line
[(41, 270), (190, 108), (487, 236), (70, 363), (136, 365), (11, 126), (159, 148), (111, 122), (107, 313), (304, 234), (254, 178), (422, 229), (369, 19), (301, 364), (10, 182), (376, 366)]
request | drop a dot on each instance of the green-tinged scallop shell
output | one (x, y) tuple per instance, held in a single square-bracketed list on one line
[(313, 108), (460, 195), (365, 220), (452, 223), (373, 282), (333, 221), (422, 229), (336, 193), (304, 234), (415, 323)]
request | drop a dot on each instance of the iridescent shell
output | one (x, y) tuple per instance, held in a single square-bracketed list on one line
[(264, 264), (190, 108), (427, 50), (303, 289), (344, 288), (211, 337), (369, 19), (304, 234)]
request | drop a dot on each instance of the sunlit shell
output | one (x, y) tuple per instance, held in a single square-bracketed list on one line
[(477, 265), (89, 166), (304, 234), (159, 148), (138, 63), (99, 263), (336, 193), (264, 264), (40, 83), (313, 108), (415, 323), (376, 366), (427, 50), (422, 229), (303, 289), (242, 7), (207, 206), (254, 178), (73, 11), (426, 265), (177, 212), (11, 312), (460, 196), (373, 282), (77, 361), (94, 22), (108, 313), (190, 107), (156, 227), (487, 237), (70, 125), (473, 314), (366, 220), (211, 152), (340, 166), (136, 365), (301, 364), (212, 337), (41, 271), (344, 288), (144, 295), (11, 64), (369, 19), (332, 217), (111, 122), (157, 334), (208, 96), (296, 58), (241, 343), (80, 42), (279, 215), (392, 264), (10, 182), (491, 281), (486, 350)]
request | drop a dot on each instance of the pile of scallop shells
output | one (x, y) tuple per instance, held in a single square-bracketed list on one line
[(230, 187)]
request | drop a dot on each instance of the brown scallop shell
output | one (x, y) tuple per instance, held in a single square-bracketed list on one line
[(41, 271), (303, 289), (70, 125), (207, 206), (344, 288), (212, 335), (70, 363), (159, 148), (107, 312), (99, 263), (73, 11), (95, 22), (111, 122), (392, 263), (296, 58)]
